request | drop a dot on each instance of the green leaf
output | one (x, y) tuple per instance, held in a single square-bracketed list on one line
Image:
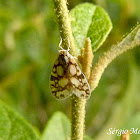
[(13, 126), (58, 128), (88, 20)]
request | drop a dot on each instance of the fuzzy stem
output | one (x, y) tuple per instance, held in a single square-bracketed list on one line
[(78, 117), (129, 42), (78, 105), (64, 25)]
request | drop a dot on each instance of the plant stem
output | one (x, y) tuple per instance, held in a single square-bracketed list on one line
[(78, 117), (78, 105), (129, 42), (64, 25)]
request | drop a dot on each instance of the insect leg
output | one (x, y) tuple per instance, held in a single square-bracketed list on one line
[(60, 44)]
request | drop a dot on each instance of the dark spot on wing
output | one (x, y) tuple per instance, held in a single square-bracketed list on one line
[(62, 95), (53, 78), (81, 76), (62, 60)]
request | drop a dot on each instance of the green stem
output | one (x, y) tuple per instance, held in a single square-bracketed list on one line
[(78, 105), (78, 117), (129, 42), (64, 25)]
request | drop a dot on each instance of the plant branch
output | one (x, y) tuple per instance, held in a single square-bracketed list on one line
[(78, 117), (78, 105), (64, 25), (129, 42)]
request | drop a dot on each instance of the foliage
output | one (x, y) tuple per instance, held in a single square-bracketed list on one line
[(58, 128), (28, 49), (14, 127), (88, 20)]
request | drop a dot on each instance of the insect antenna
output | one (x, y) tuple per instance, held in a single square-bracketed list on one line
[(62, 47), (60, 44)]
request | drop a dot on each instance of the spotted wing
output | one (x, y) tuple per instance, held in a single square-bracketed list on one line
[(80, 84), (67, 79), (59, 82)]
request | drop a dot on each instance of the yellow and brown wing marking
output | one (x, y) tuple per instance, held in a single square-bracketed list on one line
[(59, 82), (80, 86), (67, 78)]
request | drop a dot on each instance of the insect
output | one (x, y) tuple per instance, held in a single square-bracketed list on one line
[(67, 78)]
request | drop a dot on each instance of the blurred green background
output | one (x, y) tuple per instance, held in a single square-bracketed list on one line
[(29, 39)]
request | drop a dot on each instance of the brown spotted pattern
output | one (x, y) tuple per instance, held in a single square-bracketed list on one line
[(67, 78)]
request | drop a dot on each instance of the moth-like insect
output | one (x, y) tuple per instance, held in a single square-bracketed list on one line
[(67, 78)]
